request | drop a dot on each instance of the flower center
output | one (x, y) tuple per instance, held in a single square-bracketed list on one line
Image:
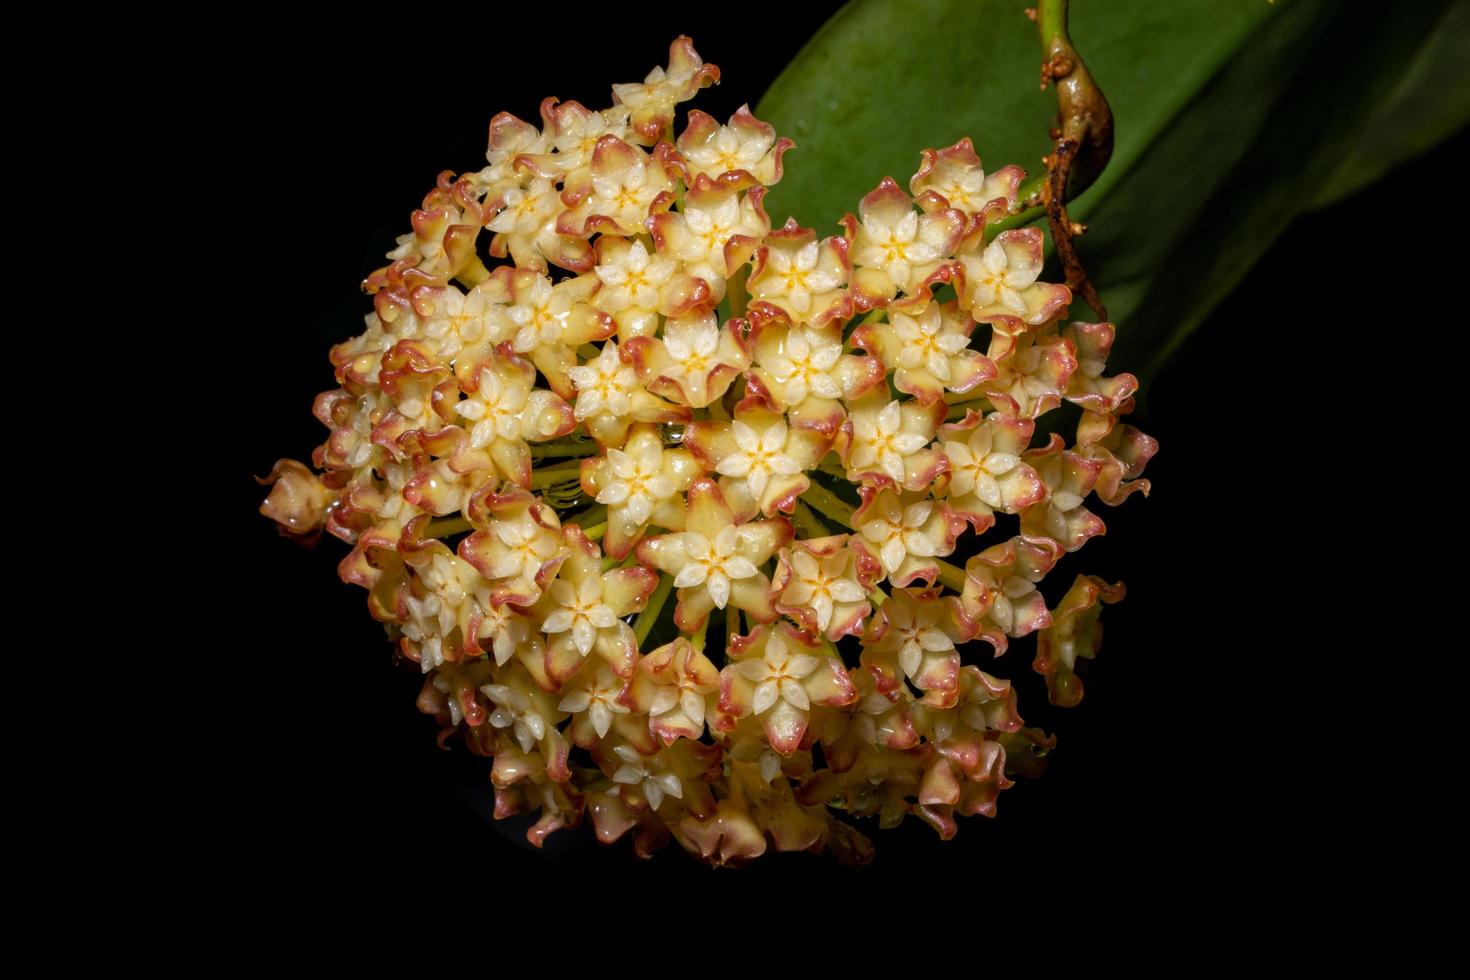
[(526, 549), (794, 279), (894, 250), (716, 560), (820, 585), (638, 484)]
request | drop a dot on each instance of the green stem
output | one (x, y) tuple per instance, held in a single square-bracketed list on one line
[(828, 505), (1018, 220), (808, 523), (1086, 120), (699, 635), (877, 597), (474, 273), (735, 291), (595, 532), (587, 517), (1051, 18), (951, 575), (449, 525), (960, 404), (1082, 141), (568, 447), (643, 623), (832, 465), (560, 473), (1085, 135)]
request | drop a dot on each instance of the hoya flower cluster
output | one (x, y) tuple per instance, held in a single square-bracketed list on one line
[(659, 496)]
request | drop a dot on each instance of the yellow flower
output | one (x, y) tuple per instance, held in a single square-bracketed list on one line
[(530, 459)]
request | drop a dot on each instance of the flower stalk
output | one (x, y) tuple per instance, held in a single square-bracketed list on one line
[(951, 575), (589, 517), (643, 622), (564, 448), (828, 505), (447, 527), (808, 523), (558, 473)]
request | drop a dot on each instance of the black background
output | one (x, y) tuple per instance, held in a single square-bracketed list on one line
[(326, 778)]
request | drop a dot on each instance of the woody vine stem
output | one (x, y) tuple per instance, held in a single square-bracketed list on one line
[(1083, 141), (1082, 144)]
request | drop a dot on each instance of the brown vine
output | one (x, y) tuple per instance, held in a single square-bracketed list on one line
[(1082, 142)]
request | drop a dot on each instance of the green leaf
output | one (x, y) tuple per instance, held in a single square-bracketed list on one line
[(1430, 103), (1230, 117)]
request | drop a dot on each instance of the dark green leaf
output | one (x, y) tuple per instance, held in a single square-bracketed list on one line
[(1229, 119), (1430, 102)]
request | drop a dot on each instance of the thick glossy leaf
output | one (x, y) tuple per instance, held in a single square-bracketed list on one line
[(884, 79), (1206, 201), (1430, 102), (1229, 116)]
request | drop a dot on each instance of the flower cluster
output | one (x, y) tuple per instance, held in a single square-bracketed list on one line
[(661, 504)]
